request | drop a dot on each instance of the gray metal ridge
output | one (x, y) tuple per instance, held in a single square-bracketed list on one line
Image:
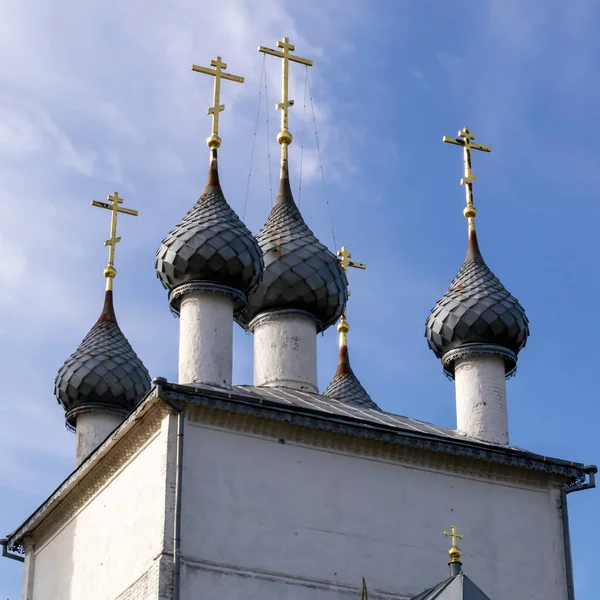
[(210, 244), (345, 386), (456, 587), (300, 272), (104, 373), (316, 411), (477, 309)]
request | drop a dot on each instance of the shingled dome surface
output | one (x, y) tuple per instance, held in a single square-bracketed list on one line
[(346, 387), (476, 309), (300, 272), (210, 244), (104, 372)]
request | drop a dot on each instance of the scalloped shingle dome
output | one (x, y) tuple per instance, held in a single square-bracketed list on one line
[(476, 310), (210, 244), (300, 272), (103, 373), (346, 387)]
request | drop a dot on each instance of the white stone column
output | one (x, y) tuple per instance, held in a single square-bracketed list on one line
[(206, 338), (91, 429), (481, 410), (285, 349)]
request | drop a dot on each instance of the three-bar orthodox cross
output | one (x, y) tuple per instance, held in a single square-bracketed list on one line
[(465, 140), (454, 550), (284, 137), (110, 272), (345, 262), (214, 141)]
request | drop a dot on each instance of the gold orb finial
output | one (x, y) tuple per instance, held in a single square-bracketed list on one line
[(285, 137), (343, 326), (470, 212), (213, 141), (110, 272)]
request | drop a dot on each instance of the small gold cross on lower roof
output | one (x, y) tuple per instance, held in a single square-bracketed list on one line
[(465, 140), (454, 551), (345, 262), (214, 141), (110, 272), (285, 137)]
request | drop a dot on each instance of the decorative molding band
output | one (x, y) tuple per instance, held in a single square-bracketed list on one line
[(62, 506), (177, 293), (340, 439), (469, 350), (277, 314)]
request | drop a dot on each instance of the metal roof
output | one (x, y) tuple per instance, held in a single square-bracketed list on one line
[(457, 587)]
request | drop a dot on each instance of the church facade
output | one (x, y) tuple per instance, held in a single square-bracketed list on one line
[(204, 489)]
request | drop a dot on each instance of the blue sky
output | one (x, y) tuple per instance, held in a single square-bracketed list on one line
[(99, 97)]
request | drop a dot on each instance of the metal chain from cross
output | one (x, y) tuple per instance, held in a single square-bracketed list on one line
[(214, 141), (465, 140), (110, 272), (284, 137)]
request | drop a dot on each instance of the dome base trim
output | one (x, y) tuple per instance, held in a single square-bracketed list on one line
[(468, 350), (71, 415), (177, 293), (275, 314)]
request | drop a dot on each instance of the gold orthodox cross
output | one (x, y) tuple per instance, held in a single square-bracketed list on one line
[(345, 262), (454, 551), (465, 140), (214, 141), (110, 272), (284, 137)]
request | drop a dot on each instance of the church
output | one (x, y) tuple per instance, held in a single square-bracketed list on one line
[(202, 489)]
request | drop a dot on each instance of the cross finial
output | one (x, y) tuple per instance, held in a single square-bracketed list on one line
[(465, 140), (214, 141), (454, 551), (284, 137), (345, 262), (110, 272)]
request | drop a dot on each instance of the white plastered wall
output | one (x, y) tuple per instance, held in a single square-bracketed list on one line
[(272, 520), (113, 545)]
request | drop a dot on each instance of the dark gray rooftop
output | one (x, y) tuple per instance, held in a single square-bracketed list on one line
[(104, 372), (346, 387), (457, 587), (300, 272), (210, 244), (476, 309), (321, 412)]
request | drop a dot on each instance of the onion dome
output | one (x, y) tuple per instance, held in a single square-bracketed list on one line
[(476, 316), (300, 272), (210, 245), (104, 373), (345, 386)]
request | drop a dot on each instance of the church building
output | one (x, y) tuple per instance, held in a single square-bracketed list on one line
[(199, 489)]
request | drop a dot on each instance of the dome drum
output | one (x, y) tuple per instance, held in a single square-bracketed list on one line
[(469, 350), (177, 293)]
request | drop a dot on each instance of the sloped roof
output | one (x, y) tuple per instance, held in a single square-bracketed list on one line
[(457, 587)]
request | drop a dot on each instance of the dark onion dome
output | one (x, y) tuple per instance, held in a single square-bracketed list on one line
[(476, 316), (103, 373), (210, 245), (345, 386), (300, 272)]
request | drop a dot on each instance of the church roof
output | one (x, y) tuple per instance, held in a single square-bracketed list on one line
[(457, 587), (300, 272), (104, 372), (210, 245), (315, 411), (345, 385)]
